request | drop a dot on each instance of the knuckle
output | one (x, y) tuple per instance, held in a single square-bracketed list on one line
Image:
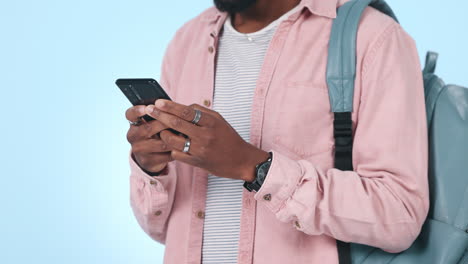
[(143, 160), (174, 155), (167, 137), (203, 150), (196, 106), (186, 113), (167, 106), (154, 128), (210, 122), (170, 140), (131, 135), (133, 112), (176, 122), (163, 135), (163, 146), (208, 139), (218, 115)]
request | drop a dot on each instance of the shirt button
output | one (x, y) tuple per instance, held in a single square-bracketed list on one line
[(267, 197), (201, 214), (207, 103), (297, 224), (210, 49), (153, 182), (158, 212)]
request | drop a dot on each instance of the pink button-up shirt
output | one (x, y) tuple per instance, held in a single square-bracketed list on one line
[(304, 204)]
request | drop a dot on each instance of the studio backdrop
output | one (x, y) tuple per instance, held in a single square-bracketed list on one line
[(64, 154)]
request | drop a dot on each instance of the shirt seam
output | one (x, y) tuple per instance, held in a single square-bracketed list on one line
[(376, 47)]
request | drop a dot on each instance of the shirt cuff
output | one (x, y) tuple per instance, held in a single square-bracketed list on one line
[(280, 182), (157, 186)]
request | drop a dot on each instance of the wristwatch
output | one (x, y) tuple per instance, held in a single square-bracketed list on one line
[(261, 171)]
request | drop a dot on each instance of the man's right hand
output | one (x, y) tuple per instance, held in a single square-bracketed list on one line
[(148, 150)]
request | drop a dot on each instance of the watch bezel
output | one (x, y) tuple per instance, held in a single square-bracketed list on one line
[(257, 183)]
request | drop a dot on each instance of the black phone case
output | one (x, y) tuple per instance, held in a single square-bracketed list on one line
[(143, 92)]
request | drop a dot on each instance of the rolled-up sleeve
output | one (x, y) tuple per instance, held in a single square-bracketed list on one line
[(152, 197), (384, 201)]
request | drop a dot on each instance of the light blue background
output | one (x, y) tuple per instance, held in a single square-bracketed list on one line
[(64, 168)]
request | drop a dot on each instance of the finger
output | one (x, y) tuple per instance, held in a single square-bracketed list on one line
[(176, 142), (184, 157), (173, 121), (136, 133), (153, 161), (210, 115), (140, 132), (134, 113), (205, 110), (185, 112), (147, 130), (153, 128), (150, 146)]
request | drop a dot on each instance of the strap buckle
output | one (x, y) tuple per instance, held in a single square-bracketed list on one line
[(343, 134)]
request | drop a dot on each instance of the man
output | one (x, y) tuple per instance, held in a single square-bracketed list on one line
[(248, 82)]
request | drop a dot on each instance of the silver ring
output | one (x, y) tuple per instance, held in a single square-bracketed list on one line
[(136, 123), (187, 145), (197, 117)]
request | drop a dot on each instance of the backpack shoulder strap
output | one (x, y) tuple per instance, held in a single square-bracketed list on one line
[(341, 73), (341, 67)]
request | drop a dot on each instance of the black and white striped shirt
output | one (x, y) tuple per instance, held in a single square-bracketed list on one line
[(239, 61)]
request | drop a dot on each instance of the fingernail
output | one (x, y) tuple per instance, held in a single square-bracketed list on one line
[(160, 103), (149, 109), (140, 111)]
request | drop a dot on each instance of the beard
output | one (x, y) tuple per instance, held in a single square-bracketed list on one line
[(233, 6)]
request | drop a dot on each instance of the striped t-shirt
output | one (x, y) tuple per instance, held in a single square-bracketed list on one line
[(239, 61)]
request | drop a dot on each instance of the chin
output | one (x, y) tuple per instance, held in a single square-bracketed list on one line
[(233, 6)]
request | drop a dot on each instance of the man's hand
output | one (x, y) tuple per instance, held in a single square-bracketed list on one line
[(215, 146), (148, 150)]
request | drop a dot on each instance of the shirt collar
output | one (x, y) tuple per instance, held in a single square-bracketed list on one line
[(325, 8)]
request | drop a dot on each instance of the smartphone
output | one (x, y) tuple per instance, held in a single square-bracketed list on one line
[(143, 91)]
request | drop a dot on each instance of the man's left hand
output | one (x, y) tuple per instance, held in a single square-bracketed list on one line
[(215, 146)]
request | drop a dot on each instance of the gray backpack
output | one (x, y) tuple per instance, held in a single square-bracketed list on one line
[(444, 237)]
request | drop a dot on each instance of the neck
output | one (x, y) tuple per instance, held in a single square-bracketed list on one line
[(260, 14)]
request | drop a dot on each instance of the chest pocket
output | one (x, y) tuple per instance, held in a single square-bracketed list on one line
[(303, 122)]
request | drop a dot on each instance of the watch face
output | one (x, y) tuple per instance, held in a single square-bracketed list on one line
[(263, 171)]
